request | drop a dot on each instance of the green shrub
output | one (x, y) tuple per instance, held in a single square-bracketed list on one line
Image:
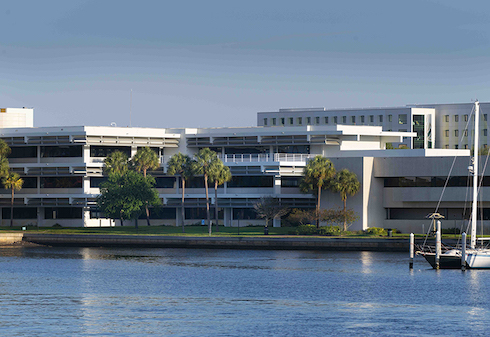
[(453, 230), (306, 230), (330, 230), (376, 231)]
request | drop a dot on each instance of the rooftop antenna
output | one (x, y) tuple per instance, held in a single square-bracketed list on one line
[(130, 105)]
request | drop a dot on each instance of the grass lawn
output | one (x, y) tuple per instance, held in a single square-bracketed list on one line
[(189, 231)]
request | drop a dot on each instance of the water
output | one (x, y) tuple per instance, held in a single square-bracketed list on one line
[(185, 292)]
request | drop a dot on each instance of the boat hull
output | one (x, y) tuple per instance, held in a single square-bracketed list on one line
[(445, 261), (478, 260)]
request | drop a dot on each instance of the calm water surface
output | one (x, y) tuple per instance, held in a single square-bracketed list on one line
[(185, 292)]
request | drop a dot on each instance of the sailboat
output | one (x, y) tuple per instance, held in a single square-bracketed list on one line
[(475, 257)]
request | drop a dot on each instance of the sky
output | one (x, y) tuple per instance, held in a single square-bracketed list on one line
[(171, 64)]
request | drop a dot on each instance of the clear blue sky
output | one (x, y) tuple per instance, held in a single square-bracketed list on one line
[(217, 63)]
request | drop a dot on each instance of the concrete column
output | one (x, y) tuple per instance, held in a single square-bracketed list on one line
[(178, 216), (86, 216), (86, 185), (276, 222), (277, 185), (227, 217)]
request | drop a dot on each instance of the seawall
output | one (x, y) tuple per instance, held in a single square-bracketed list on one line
[(7, 239), (285, 243)]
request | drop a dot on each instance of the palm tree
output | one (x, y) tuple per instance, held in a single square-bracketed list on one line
[(345, 183), (182, 165), (116, 163), (317, 175), (145, 159), (205, 158), (4, 163), (218, 174), (14, 182)]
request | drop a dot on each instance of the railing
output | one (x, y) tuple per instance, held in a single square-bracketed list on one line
[(276, 157)]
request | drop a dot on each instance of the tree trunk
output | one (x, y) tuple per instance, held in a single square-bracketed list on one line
[(207, 203), (12, 209), (146, 206), (345, 214), (216, 204), (182, 209), (318, 207)]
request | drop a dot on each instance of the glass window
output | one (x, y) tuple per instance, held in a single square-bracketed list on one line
[(485, 117), (371, 119), (456, 118), (362, 119), (251, 181), (456, 133), (308, 120), (291, 121), (265, 121), (96, 181), (63, 213), (465, 133), (104, 151), (456, 146), (446, 133), (485, 132), (290, 181), (317, 120), (20, 213), (326, 120), (283, 121), (380, 117), (344, 119), (353, 119), (61, 182), (273, 121), (446, 118), (335, 120), (61, 151), (465, 118), (29, 182), (390, 117), (300, 120), (402, 119), (165, 182), (23, 152)]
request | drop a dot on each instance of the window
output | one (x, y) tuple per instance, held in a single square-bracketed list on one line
[(456, 146), (484, 132), (335, 120), (446, 146), (20, 213), (485, 117), (465, 134), (465, 146), (61, 151), (353, 119), (362, 119), (371, 119), (29, 182), (290, 181), (61, 182), (165, 182), (456, 133), (390, 117), (291, 121), (300, 120), (465, 118), (380, 118), (265, 121), (317, 120), (23, 152), (96, 181), (251, 181), (104, 151), (344, 119), (326, 120), (308, 120), (62, 213), (283, 121), (446, 133), (402, 119), (456, 118), (446, 118), (273, 121)]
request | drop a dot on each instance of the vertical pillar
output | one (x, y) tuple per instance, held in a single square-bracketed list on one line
[(463, 252), (276, 222), (277, 185), (227, 217), (178, 216), (40, 217), (86, 216), (412, 244)]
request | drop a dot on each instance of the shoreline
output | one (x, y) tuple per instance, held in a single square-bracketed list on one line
[(269, 242)]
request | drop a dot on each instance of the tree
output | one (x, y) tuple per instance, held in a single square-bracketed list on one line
[(345, 183), (145, 159), (184, 166), (13, 182), (125, 196), (304, 217), (339, 216), (4, 163), (317, 175), (218, 174), (204, 159), (116, 163), (269, 208)]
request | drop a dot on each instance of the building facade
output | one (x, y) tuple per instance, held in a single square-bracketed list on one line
[(62, 168)]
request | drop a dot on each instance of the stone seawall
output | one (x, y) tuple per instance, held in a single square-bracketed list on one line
[(7, 239), (288, 243)]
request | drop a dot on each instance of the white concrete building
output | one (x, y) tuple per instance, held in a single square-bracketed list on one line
[(63, 167)]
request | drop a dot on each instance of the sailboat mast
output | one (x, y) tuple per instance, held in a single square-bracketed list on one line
[(474, 212)]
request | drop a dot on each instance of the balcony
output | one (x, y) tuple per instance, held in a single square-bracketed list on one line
[(276, 157)]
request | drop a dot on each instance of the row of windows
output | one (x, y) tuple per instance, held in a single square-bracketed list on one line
[(465, 118), (402, 119), (432, 181), (465, 133), (49, 213), (69, 151)]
